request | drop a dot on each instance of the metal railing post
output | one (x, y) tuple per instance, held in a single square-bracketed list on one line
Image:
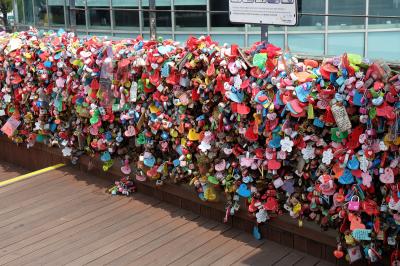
[(152, 16)]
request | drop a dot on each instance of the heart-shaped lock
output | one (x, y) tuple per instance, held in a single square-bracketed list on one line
[(355, 223), (338, 254), (152, 172), (353, 164), (140, 178), (387, 177), (250, 134), (243, 191), (271, 204), (274, 164), (106, 156), (275, 142), (220, 166), (126, 169), (346, 178), (130, 131), (193, 135)]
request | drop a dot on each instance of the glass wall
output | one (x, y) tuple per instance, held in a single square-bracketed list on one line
[(326, 27)]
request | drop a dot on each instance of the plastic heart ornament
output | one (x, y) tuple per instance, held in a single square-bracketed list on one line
[(243, 191), (126, 169), (220, 166), (105, 156), (387, 177), (193, 135), (131, 131)]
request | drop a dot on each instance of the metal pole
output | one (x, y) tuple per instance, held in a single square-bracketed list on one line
[(152, 16), (264, 32), (72, 16), (66, 18), (15, 13)]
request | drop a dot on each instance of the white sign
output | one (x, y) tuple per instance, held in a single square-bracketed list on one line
[(270, 12)]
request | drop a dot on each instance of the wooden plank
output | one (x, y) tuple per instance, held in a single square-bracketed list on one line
[(290, 259), (28, 184), (77, 244), (241, 219), (20, 204), (266, 254), (223, 250), (63, 216), (112, 251), (238, 253), (103, 220), (166, 243), (8, 170), (21, 178), (83, 242), (92, 215), (33, 225), (47, 178), (46, 208), (135, 230), (169, 253), (307, 261), (220, 239), (62, 194)]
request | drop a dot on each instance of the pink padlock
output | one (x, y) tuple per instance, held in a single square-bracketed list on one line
[(371, 132), (363, 110), (354, 205)]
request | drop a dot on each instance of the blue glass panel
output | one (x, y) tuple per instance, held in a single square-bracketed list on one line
[(339, 43), (275, 39), (306, 43), (384, 45), (230, 39), (158, 3), (125, 3), (182, 37), (164, 36), (190, 2)]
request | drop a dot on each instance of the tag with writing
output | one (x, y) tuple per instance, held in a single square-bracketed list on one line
[(10, 126), (341, 117)]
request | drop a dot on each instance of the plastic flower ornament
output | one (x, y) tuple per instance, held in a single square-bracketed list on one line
[(262, 216), (287, 144), (327, 156), (308, 152)]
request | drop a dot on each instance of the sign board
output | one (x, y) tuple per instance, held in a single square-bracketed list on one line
[(270, 12)]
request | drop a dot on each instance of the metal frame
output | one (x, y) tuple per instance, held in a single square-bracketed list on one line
[(246, 33)]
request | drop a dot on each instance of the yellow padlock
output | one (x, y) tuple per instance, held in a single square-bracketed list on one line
[(209, 194), (349, 239), (193, 135), (297, 208)]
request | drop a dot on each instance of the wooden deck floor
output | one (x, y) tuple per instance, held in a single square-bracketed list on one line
[(65, 217)]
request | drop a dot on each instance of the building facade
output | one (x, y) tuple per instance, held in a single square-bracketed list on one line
[(326, 27)]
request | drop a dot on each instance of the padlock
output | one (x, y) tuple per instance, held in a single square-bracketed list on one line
[(354, 205)]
